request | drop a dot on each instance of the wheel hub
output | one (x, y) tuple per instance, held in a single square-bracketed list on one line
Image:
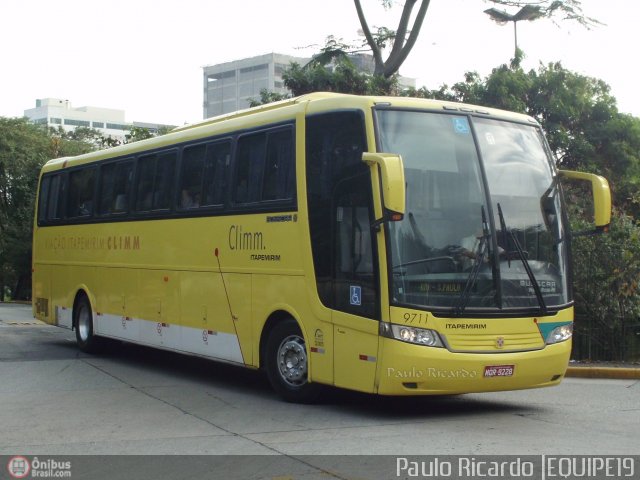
[(292, 361), (84, 323)]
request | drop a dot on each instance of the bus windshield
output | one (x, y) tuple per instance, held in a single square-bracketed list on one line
[(483, 229)]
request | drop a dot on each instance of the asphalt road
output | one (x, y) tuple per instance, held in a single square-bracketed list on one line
[(136, 400)]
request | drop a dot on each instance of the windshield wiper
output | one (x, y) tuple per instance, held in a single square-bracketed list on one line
[(525, 263), (479, 255)]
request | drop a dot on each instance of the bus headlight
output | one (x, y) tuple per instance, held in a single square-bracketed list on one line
[(560, 334), (419, 336)]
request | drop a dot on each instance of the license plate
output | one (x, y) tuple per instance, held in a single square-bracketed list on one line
[(499, 371)]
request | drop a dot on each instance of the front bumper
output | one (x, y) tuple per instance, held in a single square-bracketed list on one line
[(406, 369)]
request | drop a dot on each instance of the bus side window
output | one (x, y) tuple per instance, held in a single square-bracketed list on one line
[(115, 187), (55, 202), (155, 181), (43, 198), (278, 182), (164, 181), (122, 187), (249, 165), (218, 156), (144, 190), (81, 191), (265, 167), (191, 176)]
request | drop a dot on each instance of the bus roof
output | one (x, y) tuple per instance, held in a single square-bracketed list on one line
[(316, 102)]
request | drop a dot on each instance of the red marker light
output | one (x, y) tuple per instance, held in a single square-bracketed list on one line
[(216, 252)]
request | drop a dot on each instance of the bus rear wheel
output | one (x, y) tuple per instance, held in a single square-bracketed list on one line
[(287, 363), (83, 323)]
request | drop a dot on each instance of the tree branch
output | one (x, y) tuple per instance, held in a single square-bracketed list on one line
[(392, 65), (401, 33), (377, 54)]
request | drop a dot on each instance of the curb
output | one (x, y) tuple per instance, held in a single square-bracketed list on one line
[(603, 372)]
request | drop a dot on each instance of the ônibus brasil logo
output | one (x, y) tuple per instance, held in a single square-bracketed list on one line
[(19, 467)]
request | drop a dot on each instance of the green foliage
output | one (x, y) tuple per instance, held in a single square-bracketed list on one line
[(76, 142), (267, 97), (136, 134), (24, 148), (607, 271), (340, 77), (565, 10), (606, 276)]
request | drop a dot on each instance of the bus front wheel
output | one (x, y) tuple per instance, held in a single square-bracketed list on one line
[(287, 363), (83, 323)]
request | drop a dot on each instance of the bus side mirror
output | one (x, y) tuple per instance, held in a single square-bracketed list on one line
[(601, 196), (391, 171)]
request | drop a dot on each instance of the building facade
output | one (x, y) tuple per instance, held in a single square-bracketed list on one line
[(54, 112), (229, 86)]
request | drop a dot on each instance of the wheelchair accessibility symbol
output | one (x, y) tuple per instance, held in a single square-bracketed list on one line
[(355, 295), (460, 125)]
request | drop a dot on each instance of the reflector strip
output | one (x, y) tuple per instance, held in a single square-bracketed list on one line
[(367, 358)]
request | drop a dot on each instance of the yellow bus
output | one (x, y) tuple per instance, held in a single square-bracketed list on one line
[(395, 246)]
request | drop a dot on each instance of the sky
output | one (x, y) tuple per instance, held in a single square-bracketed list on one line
[(146, 57)]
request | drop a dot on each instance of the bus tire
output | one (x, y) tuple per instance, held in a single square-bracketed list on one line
[(83, 324), (287, 363)]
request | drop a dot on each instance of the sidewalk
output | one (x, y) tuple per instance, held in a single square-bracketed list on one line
[(616, 370)]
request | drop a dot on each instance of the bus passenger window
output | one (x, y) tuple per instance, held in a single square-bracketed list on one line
[(56, 198), (155, 182), (144, 192), (81, 190), (163, 186), (42, 198), (191, 176), (278, 171), (249, 165), (115, 187), (218, 156)]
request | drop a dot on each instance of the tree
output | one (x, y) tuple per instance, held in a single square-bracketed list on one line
[(332, 70), (567, 9), (340, 77), (74, 142), (267, 97), (138, 133), (24, 148), (402, 40), (605, 283)]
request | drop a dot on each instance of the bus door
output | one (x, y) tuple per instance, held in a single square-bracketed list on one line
[(355, 286)]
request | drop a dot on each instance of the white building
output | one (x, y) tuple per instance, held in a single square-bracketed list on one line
[(110, 122), (229, 86)]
